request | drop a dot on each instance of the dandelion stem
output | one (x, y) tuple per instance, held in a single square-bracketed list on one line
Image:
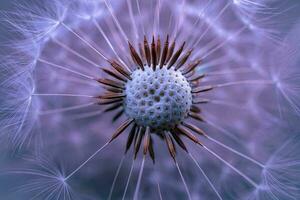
[(115, 178), (236, 152), (245, 82), (224, 42), (158, 189), (140, 15), (232, 167), (136, 192), (75, 52), (86, 161), (183, 181), (66, 109), (86, 42), (108, 41), (128, 180), (206, 177), (214, 20), (62, 95), (115, 20), (66, 69)]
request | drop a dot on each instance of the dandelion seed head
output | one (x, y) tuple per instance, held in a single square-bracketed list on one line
[(67, 45), (159, 99)]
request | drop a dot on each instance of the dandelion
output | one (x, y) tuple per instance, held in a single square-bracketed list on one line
[(150, 99)]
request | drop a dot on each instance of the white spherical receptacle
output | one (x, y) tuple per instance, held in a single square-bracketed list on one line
[(159, 99)]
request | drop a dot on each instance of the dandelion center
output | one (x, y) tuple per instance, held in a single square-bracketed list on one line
[(159, 99), (157, 96)]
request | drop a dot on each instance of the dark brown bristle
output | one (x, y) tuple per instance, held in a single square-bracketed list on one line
[(135, 56), (146, 141), (112, 89), (147, 51), (191, 67), (118, 115), (111, 83), (113, 107), (179, 141), (151, 150), (202, 89), (114, 74), (170, 52), (153, 54), (195, 109), (158, 49), (187, 133), (120, 69), (130, 137), (112, 96), (170, 146), (190, 74), (196, 116), (138, 141), (194, 128), (183, 60), (142, 53), (108, 101), (136, 134), (202, 101), (164, 53), (121, 129), (176, 56), (197, 78)]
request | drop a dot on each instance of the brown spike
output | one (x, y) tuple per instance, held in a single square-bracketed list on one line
[(146, 141), (115, 75), (130, 137), (147, 51), (164, 53), (176, 56), (122, 70), (170, 146), (111, 83), (187, 133), (190, 74), (151, 151), (191, 67), (135, 56), (111, 96), (179, 141), (118, 115), (121, 129), (153, 53), (183, 60), (195, 109), (202, 89), (202, 101), (196, 78), (170, 52), (196, 116), (142, 53), (158, 49), (108, 101), (112, 89), (138, 141), (136, 134), (194, 128), (113, 107)]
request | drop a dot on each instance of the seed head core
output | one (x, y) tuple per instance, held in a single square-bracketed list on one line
[(159, 99)]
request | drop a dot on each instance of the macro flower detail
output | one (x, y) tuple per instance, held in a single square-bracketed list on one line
[(157, 96), (149, 99)]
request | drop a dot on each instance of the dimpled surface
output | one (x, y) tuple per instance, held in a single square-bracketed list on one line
[(159, 99)]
